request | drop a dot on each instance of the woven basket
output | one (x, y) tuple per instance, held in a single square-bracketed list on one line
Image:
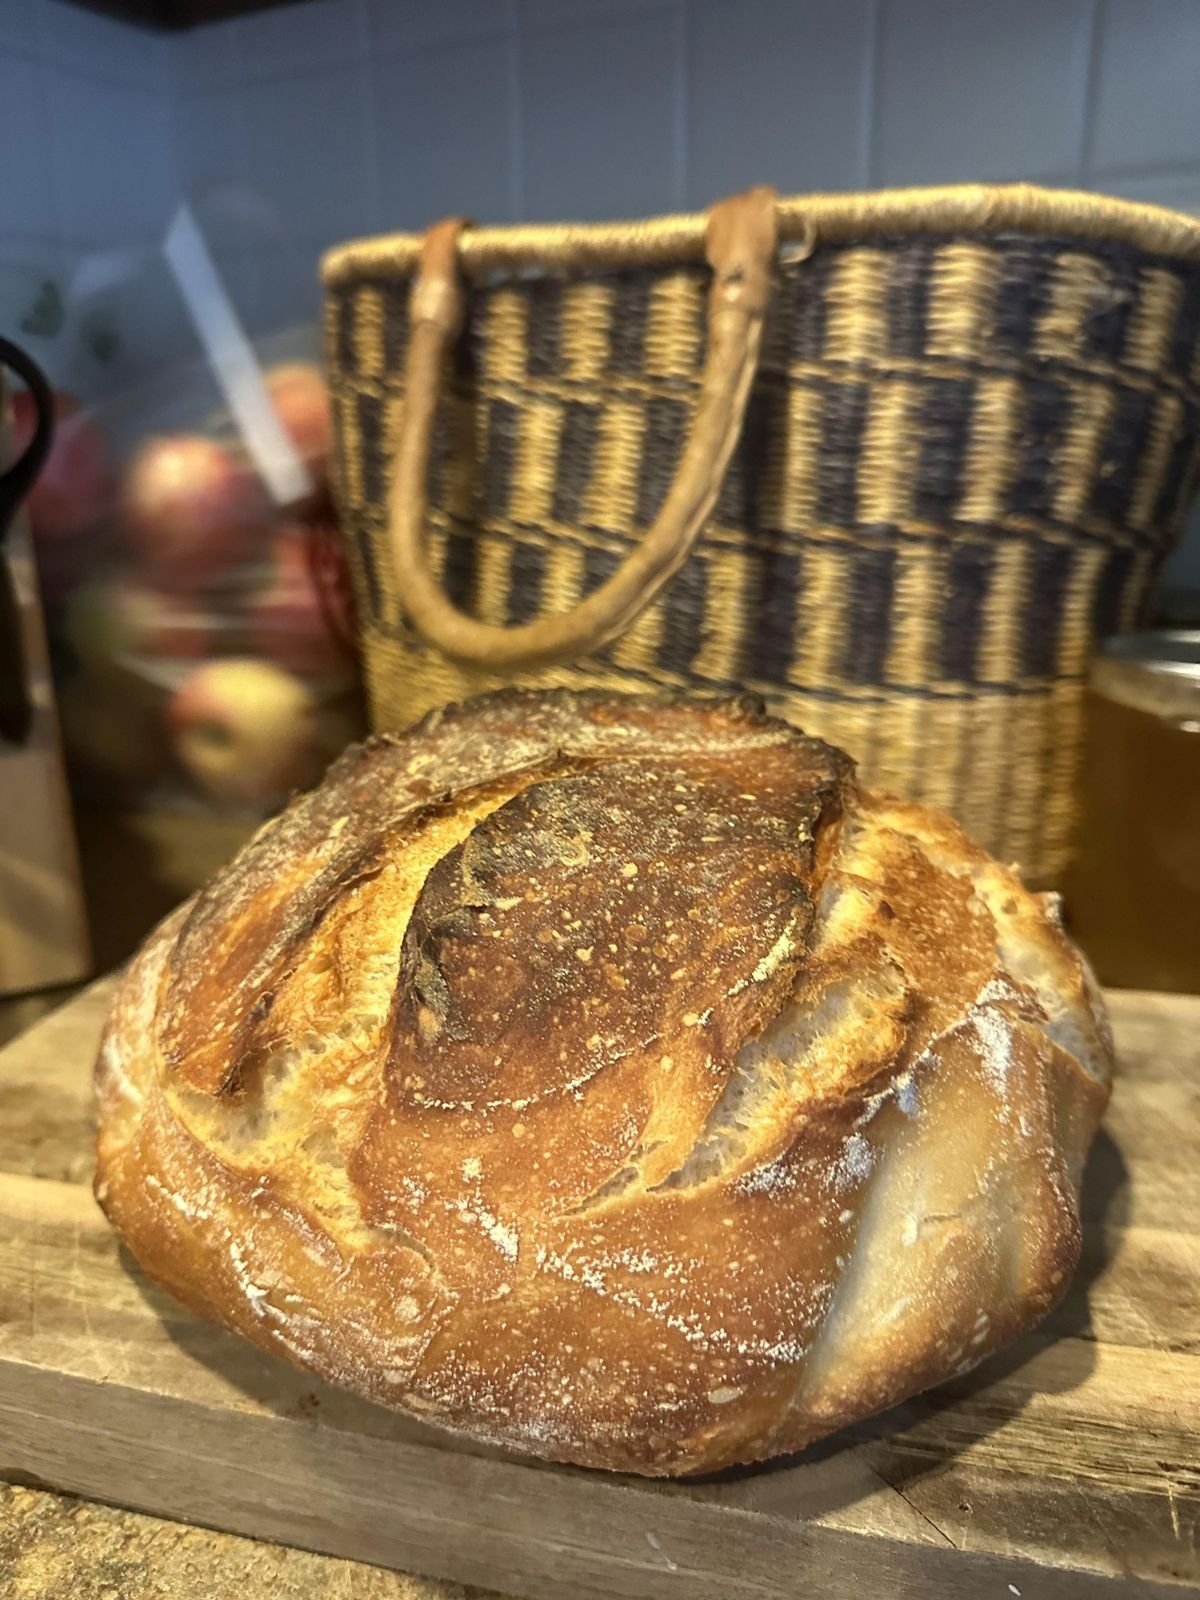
[(891, 461)]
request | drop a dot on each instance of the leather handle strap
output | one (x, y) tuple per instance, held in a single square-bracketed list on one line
[(740, 246)]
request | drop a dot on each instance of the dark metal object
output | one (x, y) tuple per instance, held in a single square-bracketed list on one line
[(16, 706)]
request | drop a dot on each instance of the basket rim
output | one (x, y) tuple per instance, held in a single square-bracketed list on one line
[(827, 218)]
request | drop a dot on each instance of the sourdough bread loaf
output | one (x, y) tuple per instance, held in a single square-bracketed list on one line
[(608, 1079)]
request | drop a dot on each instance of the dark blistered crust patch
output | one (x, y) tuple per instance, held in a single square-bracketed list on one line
[(247, 931), (602, 911)]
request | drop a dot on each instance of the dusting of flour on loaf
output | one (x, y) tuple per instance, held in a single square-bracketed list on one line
[(858, 1158), (192, 1210), (778, 953), (505, 1239), (254, 1292), (116, 1078), (998, 987), (995, 1036), (773, 1177), (906, 1094)]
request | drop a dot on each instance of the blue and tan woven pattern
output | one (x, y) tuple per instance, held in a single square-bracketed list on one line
[(966, 454)]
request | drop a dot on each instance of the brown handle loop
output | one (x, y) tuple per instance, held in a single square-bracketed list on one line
[(740, 246)]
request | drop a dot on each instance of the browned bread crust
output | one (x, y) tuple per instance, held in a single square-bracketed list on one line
[(609, 1079)]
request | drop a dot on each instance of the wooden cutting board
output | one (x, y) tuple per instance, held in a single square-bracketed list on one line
[(1067, 1466)]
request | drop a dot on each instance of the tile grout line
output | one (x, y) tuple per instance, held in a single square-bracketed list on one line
[(1095, 44), (44, 88), (374, 151), (870, 97), (516, 158), (681, 120)]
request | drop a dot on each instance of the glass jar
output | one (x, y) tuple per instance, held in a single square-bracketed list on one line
[(1133, 893)]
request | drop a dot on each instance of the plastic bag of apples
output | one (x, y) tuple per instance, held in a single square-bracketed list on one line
[(203, 636)]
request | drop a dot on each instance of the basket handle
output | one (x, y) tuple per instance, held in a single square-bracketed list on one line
[(740, 247)]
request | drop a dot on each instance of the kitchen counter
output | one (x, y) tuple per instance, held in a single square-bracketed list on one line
[(55, 1547)]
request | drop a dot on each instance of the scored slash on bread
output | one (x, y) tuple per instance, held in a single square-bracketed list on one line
[(609, 1079)]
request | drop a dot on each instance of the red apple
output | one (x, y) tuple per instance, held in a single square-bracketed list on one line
[(191, 510), (299, 395), (114, 624), (249, 733), (77, 484), (287, 620)]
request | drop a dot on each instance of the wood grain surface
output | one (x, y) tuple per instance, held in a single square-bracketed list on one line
[(1069, 1465)]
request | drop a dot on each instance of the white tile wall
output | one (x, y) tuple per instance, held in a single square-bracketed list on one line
[(28, 204), (83, 42), (211, 141), (205, 58), (992, 92), (417, 24), (89, 163), (434, 157), (337, 117), (13, 25), (112, 152), (1147, 84), (305, 140), (330, 32), (600, 102), (544, 13), (591, 108), (1178, 189), (777, 95)]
